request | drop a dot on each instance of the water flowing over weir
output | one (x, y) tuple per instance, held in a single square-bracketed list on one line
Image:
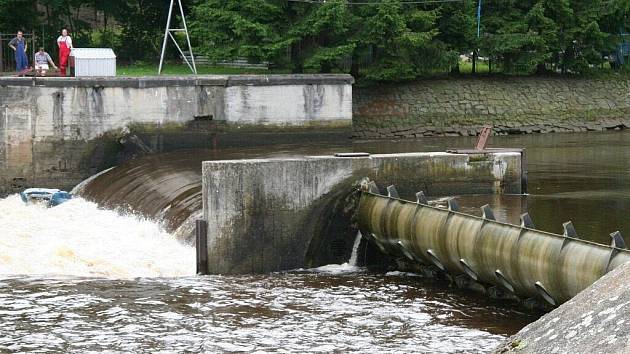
[(164, 187), (80, 239), (167, 187)]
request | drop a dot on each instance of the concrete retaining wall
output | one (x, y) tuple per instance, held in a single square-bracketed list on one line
[(451, 107), (597, 320), (49, 127), (277, 214)]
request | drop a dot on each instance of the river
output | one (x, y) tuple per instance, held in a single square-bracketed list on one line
[(80, 277)]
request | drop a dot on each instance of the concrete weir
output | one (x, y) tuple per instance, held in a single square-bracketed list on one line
[(267, 215), (54, 132)]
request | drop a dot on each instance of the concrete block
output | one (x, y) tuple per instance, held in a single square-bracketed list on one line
[(269, 215)]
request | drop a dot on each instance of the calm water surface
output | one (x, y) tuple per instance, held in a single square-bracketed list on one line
[(106, 281)]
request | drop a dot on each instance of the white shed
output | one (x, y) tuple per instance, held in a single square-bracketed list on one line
[(94, 62)]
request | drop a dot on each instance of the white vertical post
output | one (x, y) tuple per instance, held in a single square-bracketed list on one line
[(168, 32), (192, 56)]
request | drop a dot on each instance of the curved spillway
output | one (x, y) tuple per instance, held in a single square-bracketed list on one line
[(167, 187)]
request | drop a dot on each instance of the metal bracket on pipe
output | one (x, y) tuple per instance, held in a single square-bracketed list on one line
[(526, 221), (544, 293), (487, 212), (392, 192), (569, 233), (617, 240), (503, 281), (435, 260), (373, 188), (616, 243), (405, 251), (452, 204), (468, 270), (421, 198), (569, 230)]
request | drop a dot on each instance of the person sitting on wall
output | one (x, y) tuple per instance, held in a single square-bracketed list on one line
[(19, 46), (42, 59), (65, 46)]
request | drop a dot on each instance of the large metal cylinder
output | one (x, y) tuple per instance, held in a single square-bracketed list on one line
[(519, 259)]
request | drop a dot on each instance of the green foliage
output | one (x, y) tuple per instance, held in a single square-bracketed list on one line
[(228, 29), (17, 15), (383, 40)]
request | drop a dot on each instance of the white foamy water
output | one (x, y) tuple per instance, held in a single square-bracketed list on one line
[(77, 238), (349, 267)]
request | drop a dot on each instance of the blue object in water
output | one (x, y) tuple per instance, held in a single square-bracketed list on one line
[(52, 197)]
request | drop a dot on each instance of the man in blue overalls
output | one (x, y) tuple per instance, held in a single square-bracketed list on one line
[(19, 46)]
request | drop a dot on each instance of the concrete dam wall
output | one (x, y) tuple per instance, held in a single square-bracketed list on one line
[(266, 215), (513, 105), (57, 131)]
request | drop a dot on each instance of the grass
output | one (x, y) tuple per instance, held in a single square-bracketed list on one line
[(182, 69), (465, 68)]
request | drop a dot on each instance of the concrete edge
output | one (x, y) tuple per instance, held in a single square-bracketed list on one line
[(173, 81), (321, 157)]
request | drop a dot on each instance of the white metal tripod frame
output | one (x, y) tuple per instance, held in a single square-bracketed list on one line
[(169, 33)]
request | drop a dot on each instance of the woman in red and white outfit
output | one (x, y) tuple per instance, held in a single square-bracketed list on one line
[(65, 46)]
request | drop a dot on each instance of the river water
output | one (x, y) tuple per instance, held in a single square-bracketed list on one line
[(81, 278)]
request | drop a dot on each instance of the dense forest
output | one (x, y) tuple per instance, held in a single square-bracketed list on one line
[(374, 39)]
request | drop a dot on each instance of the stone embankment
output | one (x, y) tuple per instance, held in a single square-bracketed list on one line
[(597, 320), (460, 107)]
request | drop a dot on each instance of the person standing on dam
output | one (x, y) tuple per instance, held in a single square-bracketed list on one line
[(19, 46), (65, 46)]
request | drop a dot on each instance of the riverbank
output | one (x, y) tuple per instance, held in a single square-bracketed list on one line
[(461, 106)]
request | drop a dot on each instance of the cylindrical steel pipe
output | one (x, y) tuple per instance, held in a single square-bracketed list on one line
[(521, 260)]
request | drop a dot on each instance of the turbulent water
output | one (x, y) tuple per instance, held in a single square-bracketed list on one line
[(80, 278), (302, 312), (77, 238), (77, 278)]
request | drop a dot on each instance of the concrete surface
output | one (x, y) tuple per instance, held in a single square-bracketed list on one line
[(56, 131), (595, 321), (269, 215)]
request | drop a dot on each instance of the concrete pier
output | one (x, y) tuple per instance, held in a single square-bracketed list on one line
[(54, 132), (269, 215)]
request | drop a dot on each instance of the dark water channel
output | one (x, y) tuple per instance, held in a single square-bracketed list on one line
[(337, 308)]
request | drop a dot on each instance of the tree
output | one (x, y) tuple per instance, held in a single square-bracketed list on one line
[(457, 26), (17, 15), (228, 29)]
